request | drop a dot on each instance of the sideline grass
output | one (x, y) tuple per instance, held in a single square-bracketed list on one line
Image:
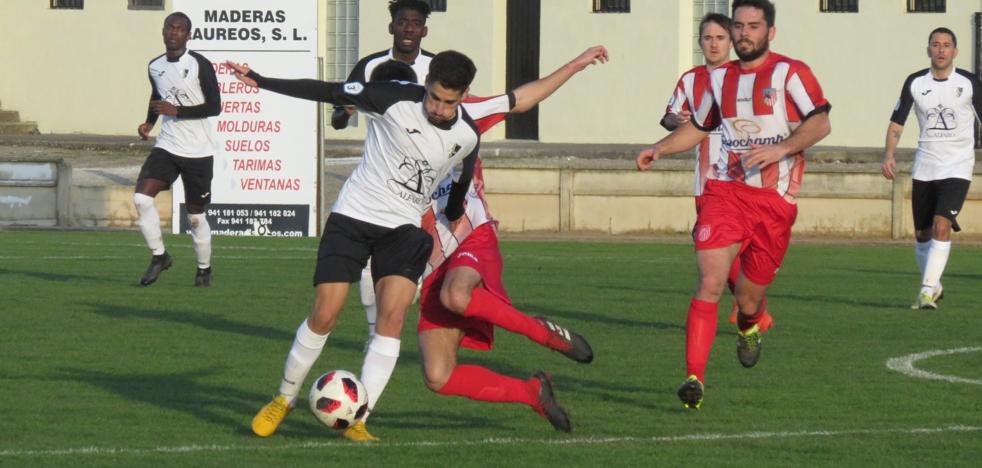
[(171, 375)]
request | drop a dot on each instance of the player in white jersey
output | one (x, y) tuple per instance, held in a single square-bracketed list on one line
[(415, 136), (185, 91), (408, 28), (947, 102), (771, 108)]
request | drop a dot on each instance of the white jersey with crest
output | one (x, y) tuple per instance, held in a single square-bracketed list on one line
[(946, 110)]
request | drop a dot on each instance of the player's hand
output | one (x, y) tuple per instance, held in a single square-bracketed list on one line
[(591, 56), (683, 117), (241, 70), (763, 155), (163, 108), (144, 130), (647, 157), (889, 166)]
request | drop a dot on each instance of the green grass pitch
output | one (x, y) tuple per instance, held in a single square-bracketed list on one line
[(96, 370)]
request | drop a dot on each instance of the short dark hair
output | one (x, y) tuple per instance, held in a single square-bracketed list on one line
[(452, 69), (943, 30), (765, 5), (722, 20), (179, 14), (393, 70), (419, 6)]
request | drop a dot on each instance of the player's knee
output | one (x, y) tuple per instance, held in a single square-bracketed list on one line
[(455, 299), (435, 377), (711, 285), (142, 201), (198, 219)]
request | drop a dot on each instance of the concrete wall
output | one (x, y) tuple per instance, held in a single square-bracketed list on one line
[(84, 70)]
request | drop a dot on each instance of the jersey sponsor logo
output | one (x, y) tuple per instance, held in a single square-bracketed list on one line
[(746, 135), (770, 96), (174, 96), (416, 175), (354, 88), (413, 131), (941, 118), (925, 93), (441, 191)]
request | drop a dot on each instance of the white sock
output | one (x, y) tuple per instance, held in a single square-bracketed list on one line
[(306, 348), (149, 221), (367, 288), (201, 234), (937, 258), (380, 361), (920, 252)]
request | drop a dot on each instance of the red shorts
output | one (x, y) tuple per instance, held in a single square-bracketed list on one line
[(480, 252), (760, 219)]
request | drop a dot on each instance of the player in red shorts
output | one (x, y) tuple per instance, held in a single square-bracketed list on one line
[(463, 297), (714, 41), (771, 108)]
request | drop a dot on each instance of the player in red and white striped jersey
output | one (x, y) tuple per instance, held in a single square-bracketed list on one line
[(693, 86), (771, 108), (463, 297)]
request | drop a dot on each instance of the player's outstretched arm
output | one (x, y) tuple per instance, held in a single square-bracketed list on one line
[(811, 131), (530, 94), (312, 90), (685, 137), (889, 166)]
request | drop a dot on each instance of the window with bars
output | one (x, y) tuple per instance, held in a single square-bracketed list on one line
[(145, 4), (926, 6), (839, 6), (699, 9), (437, 5), (67, 4), (342, 41), (611, 6)]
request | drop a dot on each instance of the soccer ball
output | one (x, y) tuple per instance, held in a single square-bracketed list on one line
[(338, 399)]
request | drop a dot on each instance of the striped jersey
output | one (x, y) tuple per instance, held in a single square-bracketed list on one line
[(946, 110), (761, 106), (486, 112), (689, 93), (189, 83)]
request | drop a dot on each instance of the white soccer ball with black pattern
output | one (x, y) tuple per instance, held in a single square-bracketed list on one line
[(338, 399)]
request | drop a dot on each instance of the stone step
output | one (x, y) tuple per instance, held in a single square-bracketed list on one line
[(9, 116), (18, 128)]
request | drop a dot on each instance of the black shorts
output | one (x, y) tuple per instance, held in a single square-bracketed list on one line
[(347, 243), (196, 174), (938, 198)]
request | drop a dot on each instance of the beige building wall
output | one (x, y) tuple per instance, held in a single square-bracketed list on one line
[(83, 71), (861, 59), (79, 71)]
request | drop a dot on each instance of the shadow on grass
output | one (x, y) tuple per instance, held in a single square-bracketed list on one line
[(188, 393), (56, 277)]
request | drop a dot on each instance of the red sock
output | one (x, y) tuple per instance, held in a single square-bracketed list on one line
[(745, 323), (490, 308), (482, 384), (700, 330)]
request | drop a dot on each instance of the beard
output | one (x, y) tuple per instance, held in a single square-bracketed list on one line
[(752, 54)]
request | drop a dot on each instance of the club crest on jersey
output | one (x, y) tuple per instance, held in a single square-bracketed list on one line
[(958, 91), (186, 72), (770, 96), (453, 151), (353, 88)]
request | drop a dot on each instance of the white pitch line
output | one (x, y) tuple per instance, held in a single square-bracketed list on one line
[(118, 257), (489, 441), (905, 365)]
